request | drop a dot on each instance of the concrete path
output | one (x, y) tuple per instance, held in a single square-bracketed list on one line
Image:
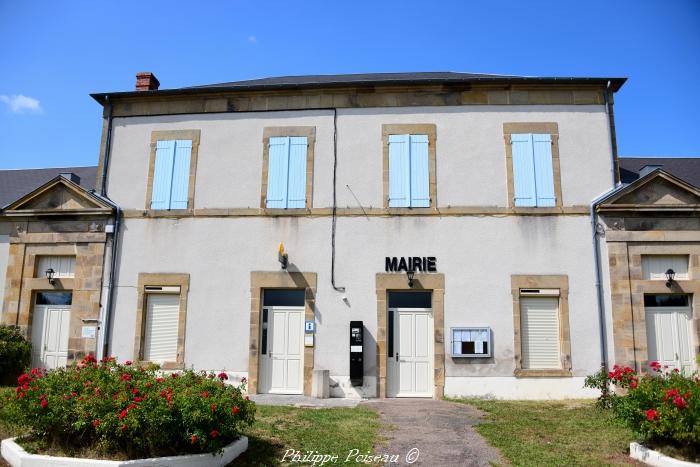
[(442, 432), (302, 401)]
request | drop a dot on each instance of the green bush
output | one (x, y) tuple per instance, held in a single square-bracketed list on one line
[(15, 354), (662, 406), (122, 410)]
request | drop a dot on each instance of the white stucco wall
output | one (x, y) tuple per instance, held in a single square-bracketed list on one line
[(4, 253), (471, 165), (477, 256)]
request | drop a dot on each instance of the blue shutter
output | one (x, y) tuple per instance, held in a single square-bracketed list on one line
[(296, 188), (544, 178), (163, 174), (420, 180), (523, 170), (181, 174), (277, 167), (399, 171)]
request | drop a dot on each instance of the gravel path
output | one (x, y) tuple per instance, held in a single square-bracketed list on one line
[(442, 432)]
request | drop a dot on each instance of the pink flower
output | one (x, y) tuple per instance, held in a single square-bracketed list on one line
[(214, 433), (173, 375), (159, 380), (95, 423), (122, 414), (235, 410), (213, 407), (128, 362), (194, 439), (652, 415), (223, 376), (633, 383), (126, 377), (44, 403), (138, 399), (135, 391), (204, 394)]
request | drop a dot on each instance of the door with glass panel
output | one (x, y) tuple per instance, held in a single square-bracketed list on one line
[(410, 354), (669, 326), (50, 329), (282, 342)]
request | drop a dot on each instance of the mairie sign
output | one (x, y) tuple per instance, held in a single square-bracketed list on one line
[(410, 263)]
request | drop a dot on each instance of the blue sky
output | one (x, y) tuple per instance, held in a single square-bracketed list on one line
[(53, 54)]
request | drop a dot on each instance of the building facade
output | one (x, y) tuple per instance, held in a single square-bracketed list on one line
[(480, 186), (414, 235)]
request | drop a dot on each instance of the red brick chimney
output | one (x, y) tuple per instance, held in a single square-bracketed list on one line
[(146, 81)]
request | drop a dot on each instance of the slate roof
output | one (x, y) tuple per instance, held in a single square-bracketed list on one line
[(685, 168), (368, 80), (16, 183)]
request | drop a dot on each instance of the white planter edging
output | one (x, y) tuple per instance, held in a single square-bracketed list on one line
[(651, 457), (16, 456)]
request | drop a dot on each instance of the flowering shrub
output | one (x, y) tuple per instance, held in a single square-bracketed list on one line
[(663, 406), (15, 354), (127, 410)]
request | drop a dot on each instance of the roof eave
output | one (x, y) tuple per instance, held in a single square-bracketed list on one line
[(615, 85)]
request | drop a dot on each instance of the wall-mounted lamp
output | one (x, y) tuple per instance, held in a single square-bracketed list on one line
[(49, 275), (670, 275), (410, 274), (282, 257)]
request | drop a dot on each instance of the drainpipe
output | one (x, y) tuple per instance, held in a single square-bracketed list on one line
[(108, 148), (115, 235), (613, 134), (112, 267), (599, 274), (110, 286)]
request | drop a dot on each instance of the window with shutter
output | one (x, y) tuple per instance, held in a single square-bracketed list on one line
[(532, 170), (171, 174), (161, 328), (409, 175), (286, 172), (539, 327)]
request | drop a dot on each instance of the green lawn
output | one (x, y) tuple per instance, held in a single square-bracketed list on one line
[(564, 433), (327, 431)]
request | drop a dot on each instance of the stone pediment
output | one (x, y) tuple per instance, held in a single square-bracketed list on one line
[(658, 190), (56, 197)]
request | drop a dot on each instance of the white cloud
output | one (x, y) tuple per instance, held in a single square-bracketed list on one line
[(252, 39), (21, 104)]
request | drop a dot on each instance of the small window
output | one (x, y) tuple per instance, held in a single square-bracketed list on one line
[(539, 326), (409, 174), (665, 300), (171, 175), (533, 176), (654, 267), (54, 298), (283, 297), (286, 172), (63, 266), (409, 299)]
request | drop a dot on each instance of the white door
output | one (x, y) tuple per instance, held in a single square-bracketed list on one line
[(283, 362), (50, 324), (670, 337), (411, 371)]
